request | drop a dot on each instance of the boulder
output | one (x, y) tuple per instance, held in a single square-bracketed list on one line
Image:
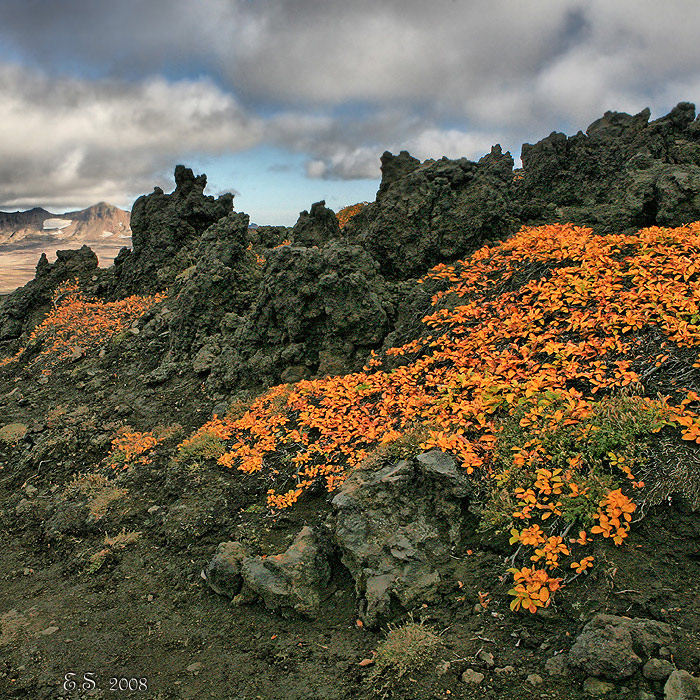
[(657, 669), (295, 581), (615, 647), (682, 686), (395, 525), (223, 572)]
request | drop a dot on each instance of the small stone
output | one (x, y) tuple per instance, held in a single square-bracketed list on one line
[(153, 509), (13, 432), (443, 667), (665, 653), (505, 669), (595, 687), (149, 597), (556, 665), (48, 631), (472, 676), (657, 669), (682, 686), (486, 657), (24, 506), (535, 679), (31, 490), (195, 667), (42, 380), (645, 695)]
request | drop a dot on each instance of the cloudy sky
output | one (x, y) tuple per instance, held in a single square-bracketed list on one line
[(287, 102)]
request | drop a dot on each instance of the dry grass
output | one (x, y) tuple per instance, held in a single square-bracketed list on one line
[(406, 649), (98, 490)]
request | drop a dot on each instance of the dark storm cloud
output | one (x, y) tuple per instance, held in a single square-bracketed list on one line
[(337, 81)]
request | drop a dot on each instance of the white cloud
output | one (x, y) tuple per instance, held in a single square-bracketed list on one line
[(64, 139)]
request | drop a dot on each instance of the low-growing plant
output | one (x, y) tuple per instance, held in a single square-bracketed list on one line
[(199, 449), (406, 649), (78, 324), (99, 491), (130, 448), (111, 544), (532, 373), (404, 446)]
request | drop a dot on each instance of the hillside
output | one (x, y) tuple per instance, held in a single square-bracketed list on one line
[(447, 449), (25, 235)]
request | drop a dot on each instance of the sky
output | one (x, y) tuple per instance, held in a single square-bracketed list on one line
[(287, 102)]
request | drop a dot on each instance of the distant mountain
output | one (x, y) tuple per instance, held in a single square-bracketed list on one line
[(92, 225), (25, 235)]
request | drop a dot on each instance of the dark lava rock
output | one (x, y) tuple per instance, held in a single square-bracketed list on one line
[(395, 525), (223, 573), (312, 306), (294, 581), (434, 212), (161, 225), (616, 647), (26, 306), (221, 281), (316, 227), (622, 174), (681, 685)]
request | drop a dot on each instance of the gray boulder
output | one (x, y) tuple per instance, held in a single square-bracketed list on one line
[(296, 580), (682, 686), (395, 525), (615, 647), (223, 573)]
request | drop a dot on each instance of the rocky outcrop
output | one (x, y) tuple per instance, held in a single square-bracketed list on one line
[(221, 281), (161, 225), (316, 227), (25, 307), (622, 174), (295, 581), (437, 211), (314, 307), (395, 525)]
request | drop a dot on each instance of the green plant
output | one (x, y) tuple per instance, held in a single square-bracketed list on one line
[(98, 490), (111, 545), (406, 649), (198, 449)]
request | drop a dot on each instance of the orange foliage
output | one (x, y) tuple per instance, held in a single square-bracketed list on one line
[(346, 213), (131, 448), (79, 324), (496, 343)]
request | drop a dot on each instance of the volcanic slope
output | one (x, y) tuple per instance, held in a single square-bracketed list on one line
[(482, 483)]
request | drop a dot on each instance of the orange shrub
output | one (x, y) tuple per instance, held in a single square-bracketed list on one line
[(77, 324), (547, 323)]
